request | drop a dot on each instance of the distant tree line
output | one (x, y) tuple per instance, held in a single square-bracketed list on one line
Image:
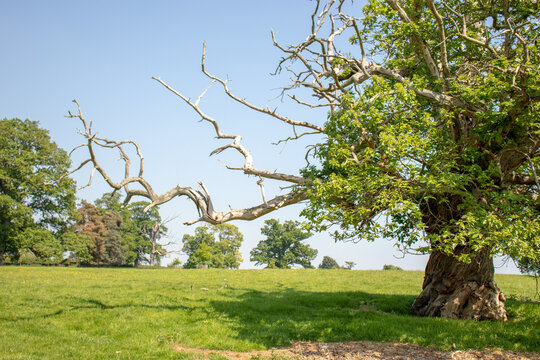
[(329, 263), (217, 246), (40, 222), (120, 235)]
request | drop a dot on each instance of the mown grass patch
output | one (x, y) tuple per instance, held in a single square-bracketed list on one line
[(67, 313)]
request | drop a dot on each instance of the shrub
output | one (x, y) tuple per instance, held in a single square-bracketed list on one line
[(391, 267)]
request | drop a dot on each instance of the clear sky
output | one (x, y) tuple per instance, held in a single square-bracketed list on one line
[(104, 53)]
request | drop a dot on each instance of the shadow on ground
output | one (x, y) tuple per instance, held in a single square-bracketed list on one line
[(277, 318), (91, 304)]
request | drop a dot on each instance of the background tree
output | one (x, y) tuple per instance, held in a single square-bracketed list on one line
[(283, 246), (204, 248), (528, 266), (532, 267), (140, 231), (328, 263), (33, 213), (104, 230), (132, 243), (91, 225), (432, 139), (349, 265), (152, 229), (38, 246), (114, 253), (78, 247), (391, 267), (175, 263)]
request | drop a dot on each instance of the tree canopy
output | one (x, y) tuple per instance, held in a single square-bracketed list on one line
[(328, 263), (33, 211), (216, 246), (141, 229), (104, 232), (435, 143), (447, 124), (283, 246), (120, 235)]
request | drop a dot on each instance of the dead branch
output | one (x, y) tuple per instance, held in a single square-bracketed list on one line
[(317, 65), (201, 199)]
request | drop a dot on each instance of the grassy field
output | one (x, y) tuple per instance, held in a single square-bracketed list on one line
[(71, 313)]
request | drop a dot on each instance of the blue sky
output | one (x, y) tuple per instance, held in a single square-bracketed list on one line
[(104, 53)]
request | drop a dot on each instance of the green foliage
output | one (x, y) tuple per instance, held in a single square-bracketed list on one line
[(78, 246), (400, 165), (175, 263), (529, 266), (104, 231), (104, 313), (114, 253), (391, 267), (146, 229), (139, 234), (34, 210), (283, 246), (328, 263), (214, 245), (38, 246), (120, 235)]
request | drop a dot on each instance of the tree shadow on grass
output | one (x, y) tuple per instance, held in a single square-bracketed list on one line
[(275, 319), (93, 304)]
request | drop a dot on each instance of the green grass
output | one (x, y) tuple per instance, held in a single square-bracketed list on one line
[(71, 313)]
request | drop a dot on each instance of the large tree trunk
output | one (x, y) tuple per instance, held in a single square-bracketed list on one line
[(458, 290)]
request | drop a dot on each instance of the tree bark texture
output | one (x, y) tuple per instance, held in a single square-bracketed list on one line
[(458, 290)]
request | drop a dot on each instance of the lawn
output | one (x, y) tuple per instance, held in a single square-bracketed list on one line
[(88, 313)]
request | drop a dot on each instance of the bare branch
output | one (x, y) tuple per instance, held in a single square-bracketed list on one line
[(266, 110), (293, 97), (202, 200), (255, 211), (442, 34), (463, 31), (295, 137), (417, 39), (248, 163), (260, 183)]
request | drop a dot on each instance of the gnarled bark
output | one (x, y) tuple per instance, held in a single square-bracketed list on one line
[(458, 290)]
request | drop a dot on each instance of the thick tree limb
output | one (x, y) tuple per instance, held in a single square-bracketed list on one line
[(424, 50), (442, 34), (201, 199)]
